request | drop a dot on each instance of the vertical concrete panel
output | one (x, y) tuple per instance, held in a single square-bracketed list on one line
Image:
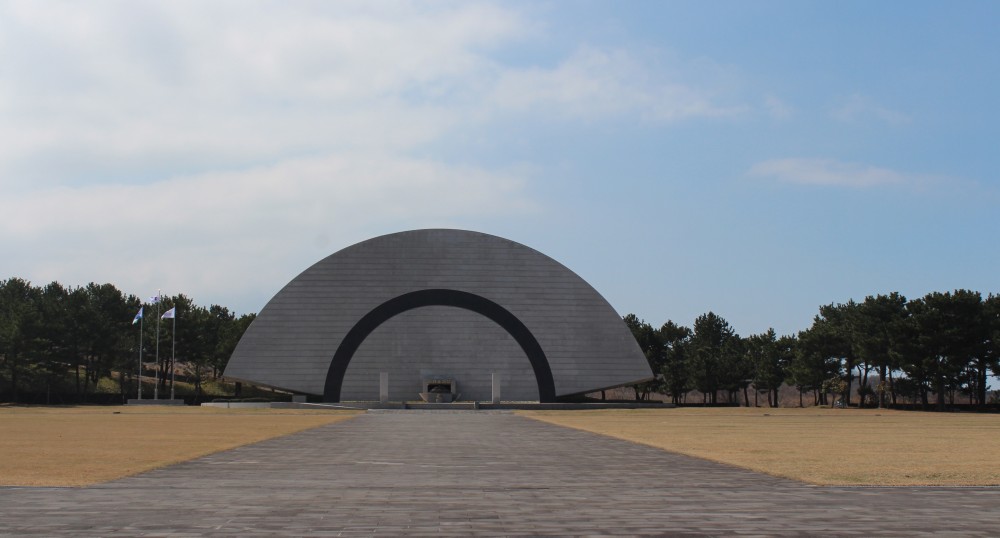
[(383, 387)]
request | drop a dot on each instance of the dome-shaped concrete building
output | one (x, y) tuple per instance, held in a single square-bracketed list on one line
[(433, 309)]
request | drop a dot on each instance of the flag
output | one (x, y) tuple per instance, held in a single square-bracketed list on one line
[(155, 299), (137, 317), (169, 314)]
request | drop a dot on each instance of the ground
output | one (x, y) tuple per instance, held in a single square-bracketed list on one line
[(76, 446), (816, 445), (478, 473), (72, 446)]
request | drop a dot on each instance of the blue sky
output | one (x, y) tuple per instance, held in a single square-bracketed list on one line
[(755, 159)]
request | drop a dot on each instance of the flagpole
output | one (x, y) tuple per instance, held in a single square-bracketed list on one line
[(156, 386), (173, 348), (140, 355)]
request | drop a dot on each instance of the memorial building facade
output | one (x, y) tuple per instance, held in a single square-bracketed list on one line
[(442, 314)]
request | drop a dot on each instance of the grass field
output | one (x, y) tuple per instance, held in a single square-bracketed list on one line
[(76, 446), (818, 446)]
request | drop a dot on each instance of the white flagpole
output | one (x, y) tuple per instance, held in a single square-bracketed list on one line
[(156, 387), (173, 348), (140, 357)]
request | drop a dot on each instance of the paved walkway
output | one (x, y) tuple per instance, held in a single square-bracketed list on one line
[(478, 473)]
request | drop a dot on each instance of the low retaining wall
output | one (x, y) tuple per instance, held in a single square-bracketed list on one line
[(147, 401), (456, 406), (239, 405), (507, 405)]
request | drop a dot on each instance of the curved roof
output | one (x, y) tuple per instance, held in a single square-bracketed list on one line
[(291, 343)]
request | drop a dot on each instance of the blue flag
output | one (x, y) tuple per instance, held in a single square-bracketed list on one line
[(137, 316)]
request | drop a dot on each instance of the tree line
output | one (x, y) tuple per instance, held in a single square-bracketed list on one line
[(935, 349), (886, 349), (56, 340)]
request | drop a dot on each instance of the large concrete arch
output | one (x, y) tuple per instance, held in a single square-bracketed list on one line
[(293, 344), (459, 299)]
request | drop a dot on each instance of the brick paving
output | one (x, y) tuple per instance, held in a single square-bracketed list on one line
[(433, 473)]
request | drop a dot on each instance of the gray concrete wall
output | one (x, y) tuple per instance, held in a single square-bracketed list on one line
[(440, 342), (293, 339)]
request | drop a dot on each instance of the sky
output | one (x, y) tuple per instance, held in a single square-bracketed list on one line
[(753, 159)]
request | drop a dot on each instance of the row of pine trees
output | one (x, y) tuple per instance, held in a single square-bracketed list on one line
[(935, 350), (58, 342)]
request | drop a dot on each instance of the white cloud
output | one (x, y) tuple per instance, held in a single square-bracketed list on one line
[(859, 108), (777, 109), (135, 89), (225, 232), (828, 172), (595, 83), (216, 147), (88, 89)]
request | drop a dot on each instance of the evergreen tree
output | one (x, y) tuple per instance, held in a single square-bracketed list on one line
[(708, 353)]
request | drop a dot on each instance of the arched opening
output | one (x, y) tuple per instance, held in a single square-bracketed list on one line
[(439, 297)]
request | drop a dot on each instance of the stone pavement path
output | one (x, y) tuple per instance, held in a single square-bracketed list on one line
[(478, 473)]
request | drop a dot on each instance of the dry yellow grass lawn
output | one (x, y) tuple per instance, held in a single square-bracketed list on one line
[(76, 446), (819, 446)]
